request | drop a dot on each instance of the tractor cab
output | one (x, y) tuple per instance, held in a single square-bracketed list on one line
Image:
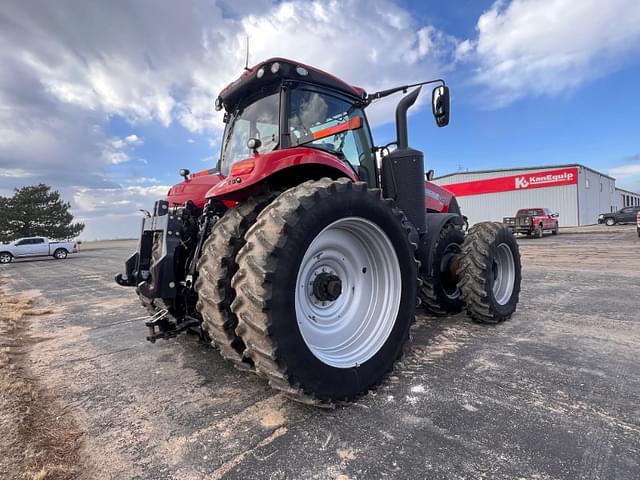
[(282, 105)]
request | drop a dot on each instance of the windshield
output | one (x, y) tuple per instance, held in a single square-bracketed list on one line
[(257, 120), (311, 112)]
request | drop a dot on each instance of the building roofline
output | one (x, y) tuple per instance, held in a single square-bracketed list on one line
[(538, 167), (627, 191)]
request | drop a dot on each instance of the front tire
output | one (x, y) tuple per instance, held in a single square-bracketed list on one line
[(326, 290), (490, 273), (6, 257), (439, 292), (610, 222), (555, 230)]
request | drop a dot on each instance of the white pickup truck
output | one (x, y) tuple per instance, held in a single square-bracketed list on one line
[(36, 247)]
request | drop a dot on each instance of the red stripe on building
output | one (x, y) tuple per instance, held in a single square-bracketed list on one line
[(523, 181)]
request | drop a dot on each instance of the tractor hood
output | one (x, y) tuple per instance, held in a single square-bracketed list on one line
[(194, 188)]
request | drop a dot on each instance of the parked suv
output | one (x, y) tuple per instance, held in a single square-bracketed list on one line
[(624, 215), (638, 223), (533, 221)]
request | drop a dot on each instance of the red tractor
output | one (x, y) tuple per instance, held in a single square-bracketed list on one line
[(301, 257)]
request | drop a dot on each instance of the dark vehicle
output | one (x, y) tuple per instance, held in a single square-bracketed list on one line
[(624, 215), (533, 221), (303, 263)]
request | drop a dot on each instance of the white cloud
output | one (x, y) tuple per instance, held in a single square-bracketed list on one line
[(14, 173), (629, 170), (89, 201), (532, 47), (118, 150), (627, 175)]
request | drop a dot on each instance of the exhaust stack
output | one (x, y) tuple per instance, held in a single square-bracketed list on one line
[(403, 170), (401, 117)]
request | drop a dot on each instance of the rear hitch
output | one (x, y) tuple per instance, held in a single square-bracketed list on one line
[(167, 329)]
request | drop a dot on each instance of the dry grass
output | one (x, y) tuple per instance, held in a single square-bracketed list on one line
[(39, 439)]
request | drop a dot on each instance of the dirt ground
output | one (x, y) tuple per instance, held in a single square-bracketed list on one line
[(553, 393)]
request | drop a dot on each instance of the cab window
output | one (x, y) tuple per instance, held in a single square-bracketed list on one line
[(257, 120), (311, 112)]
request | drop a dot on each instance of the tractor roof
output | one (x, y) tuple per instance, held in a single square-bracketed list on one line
[(252, 80)]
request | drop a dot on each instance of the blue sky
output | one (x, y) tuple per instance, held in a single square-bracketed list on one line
[(107, 104)]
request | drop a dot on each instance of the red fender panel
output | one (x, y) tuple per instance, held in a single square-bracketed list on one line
[(246, 175)]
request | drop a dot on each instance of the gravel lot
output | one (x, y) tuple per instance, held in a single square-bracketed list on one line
[(553, 393)]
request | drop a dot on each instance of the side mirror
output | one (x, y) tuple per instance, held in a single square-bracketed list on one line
[(254, 144), (440, 105), (184, 172), (430, 174)]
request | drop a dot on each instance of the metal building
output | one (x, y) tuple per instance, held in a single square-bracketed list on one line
[(627, 198), (578, 193)]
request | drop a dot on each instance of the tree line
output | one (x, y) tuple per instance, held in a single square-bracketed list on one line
[(36, 211)]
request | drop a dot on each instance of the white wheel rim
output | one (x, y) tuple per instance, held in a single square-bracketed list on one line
[(504, 274), (349, 330), (4, 258)]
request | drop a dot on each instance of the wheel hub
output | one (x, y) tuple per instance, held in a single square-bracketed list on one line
[(449, 270), (327, 287)]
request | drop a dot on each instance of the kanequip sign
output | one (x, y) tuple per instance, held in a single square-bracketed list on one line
[(522, 181)]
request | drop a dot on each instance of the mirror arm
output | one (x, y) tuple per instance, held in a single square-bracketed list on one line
[(403, 88)]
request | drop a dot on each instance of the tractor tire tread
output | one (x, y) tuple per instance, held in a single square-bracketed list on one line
[(257, 261), (427, 291), (472, 273), (216, 267)]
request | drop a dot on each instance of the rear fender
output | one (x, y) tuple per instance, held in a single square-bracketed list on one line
[(291, 166), (438, 199)]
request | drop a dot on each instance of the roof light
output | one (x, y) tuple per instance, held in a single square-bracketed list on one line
[(275, 67), (303, 72), (218, 104), (260, 72)]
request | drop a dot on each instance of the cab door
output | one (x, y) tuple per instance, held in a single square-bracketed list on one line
[(627, 215), (39, 247), (549, 221), (23, 247)]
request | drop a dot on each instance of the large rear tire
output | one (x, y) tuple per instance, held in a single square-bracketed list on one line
[(439, 292), (216, 268), (326, 290), (490, 273)]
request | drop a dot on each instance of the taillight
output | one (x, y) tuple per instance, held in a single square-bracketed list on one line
[(243, 167)]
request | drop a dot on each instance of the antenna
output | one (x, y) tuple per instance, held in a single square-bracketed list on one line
[(246, 62)]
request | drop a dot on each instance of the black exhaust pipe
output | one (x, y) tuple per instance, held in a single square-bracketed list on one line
[(403, 171), (401, 117)]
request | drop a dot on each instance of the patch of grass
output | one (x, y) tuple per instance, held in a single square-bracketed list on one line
[(39, 438)]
